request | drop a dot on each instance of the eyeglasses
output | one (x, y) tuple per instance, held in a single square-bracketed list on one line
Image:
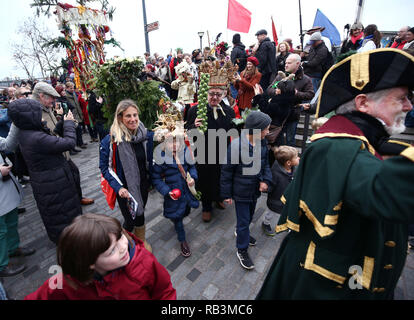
[(212, 94)]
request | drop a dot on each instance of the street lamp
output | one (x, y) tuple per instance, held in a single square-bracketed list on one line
[(201, 34)]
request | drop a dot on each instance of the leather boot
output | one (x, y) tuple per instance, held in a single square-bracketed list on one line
[(206, 216), (139, 232)]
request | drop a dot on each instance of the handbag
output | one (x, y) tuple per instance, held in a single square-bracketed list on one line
[(274, 132), (110, 193)]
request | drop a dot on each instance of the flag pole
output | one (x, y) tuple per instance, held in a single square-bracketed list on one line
[(307, 116), (300, 24)]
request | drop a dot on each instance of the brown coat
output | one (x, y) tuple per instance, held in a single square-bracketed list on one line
[(246, 90)]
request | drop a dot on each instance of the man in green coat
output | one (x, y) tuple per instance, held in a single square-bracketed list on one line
[(348, 208)]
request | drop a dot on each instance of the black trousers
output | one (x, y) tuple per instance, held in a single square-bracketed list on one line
[(130, 223)]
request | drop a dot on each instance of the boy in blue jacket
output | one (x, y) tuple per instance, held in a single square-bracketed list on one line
[(243, 180)]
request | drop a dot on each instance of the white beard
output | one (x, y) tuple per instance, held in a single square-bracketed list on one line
[(398, 125)]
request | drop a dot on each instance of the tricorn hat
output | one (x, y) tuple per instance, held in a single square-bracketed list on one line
[(363, 73)]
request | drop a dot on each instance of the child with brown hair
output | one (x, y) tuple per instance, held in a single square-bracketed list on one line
[(101, 261), (283, 168)]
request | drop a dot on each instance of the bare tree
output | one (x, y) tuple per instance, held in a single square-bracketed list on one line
[(31, 52)]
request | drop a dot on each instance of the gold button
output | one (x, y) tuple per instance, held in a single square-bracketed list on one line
[(390, 244), (339, 287), (360, 83), (388, 267)]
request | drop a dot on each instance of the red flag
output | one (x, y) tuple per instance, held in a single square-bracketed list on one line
[(274, 32), (238, 18)]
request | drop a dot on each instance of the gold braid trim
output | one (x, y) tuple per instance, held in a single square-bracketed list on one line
[(408, 153), (318, 136), (331, 220), (321, 230), (367, 271), (338, 206), (309, 265), (283, 199), (288, 225), (401, 143)]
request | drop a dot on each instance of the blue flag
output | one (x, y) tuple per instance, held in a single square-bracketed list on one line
[(330, 31)]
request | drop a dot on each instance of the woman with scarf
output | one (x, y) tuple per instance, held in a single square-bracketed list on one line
[(245, 83), (125, 160), (355, 41), (372, 39)]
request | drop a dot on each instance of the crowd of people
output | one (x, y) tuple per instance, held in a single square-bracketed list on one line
[(333, 192)]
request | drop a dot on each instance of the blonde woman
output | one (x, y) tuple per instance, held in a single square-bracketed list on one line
[(125, 160)]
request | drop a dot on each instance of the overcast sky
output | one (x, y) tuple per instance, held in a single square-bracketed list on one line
[(180, 21)]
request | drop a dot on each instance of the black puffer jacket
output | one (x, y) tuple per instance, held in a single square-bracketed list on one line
[(51, 177), (266, 54), (239, 56), (280, 181)]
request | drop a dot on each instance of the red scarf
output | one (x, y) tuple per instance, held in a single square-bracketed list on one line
[(355, 39)]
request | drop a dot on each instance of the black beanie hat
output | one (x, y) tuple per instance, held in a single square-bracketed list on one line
[(257, 120), (411, 30), (236, 38)]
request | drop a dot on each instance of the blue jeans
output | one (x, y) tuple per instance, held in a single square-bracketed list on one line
[(244, 213), (315, 83), (9, 237), (179, 228)]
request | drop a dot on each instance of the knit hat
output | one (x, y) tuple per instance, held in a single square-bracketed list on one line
[(43, 87), (257, 120), (253, 60), (236, 38), (411, 30)]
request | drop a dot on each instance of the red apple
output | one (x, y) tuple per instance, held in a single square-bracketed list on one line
[(175, 194)]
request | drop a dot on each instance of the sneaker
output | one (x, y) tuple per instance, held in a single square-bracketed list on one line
[(244, 259), (252, 241), (268, 229)]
